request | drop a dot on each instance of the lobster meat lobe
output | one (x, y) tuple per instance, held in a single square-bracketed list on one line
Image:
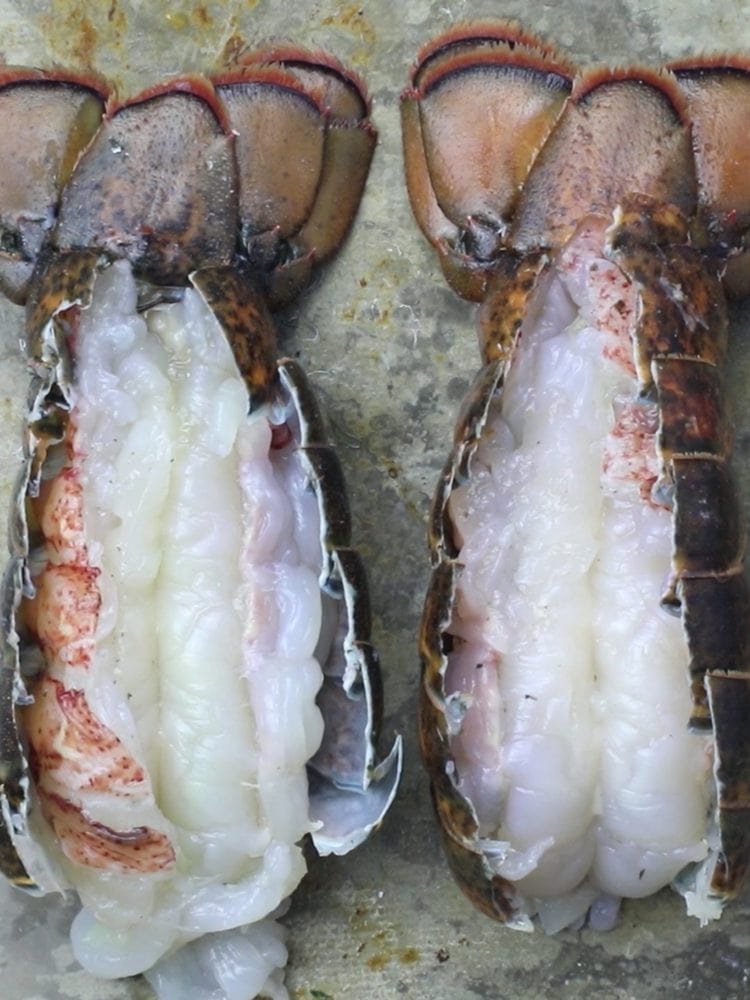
[(188, 685), (585, 635)]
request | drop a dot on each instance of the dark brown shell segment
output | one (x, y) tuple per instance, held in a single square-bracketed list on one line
[(492, 895), (360, 614), (433, 720), (512, 282), (62, 281), (708, 535), (440, 528), (729, 700), (157, 186), (690, 394), (715, 612), (237, 302), (682, 310), (326, 472), (14, 773), (436, 616), (297, 384)]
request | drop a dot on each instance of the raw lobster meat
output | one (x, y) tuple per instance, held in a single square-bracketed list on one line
[(188, 683)]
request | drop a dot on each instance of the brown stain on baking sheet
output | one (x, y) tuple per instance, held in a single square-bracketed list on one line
[(84, 35), (73, 36), (134, 45), (352, 19), (407, 956), (378, 943)]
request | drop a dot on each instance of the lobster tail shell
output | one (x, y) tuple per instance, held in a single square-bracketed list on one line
[(479, 109), (52, 117), (305, 112), (623, 133), (120, 201)]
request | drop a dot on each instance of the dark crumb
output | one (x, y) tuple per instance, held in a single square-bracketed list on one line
[(442, 955)]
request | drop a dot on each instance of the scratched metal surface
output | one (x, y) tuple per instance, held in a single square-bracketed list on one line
[(391, 352)]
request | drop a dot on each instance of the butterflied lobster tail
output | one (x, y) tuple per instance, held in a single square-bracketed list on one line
[(586, 665), (189, 686)]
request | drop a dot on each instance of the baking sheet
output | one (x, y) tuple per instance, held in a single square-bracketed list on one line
[(391, 351)]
